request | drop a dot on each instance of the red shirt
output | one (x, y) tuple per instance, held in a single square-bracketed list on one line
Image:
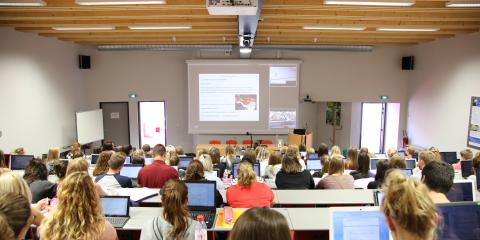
[(156, 174), (256, 195)]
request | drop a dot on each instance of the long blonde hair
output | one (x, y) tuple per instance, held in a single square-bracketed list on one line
[(78, 214), (206, 161), (408, 204), (246, 175), (336, 151), (102, 163), (12, 182)]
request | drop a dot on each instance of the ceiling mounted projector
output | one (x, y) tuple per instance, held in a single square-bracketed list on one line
[(229, 7)]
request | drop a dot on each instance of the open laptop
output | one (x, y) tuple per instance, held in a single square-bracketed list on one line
[(358, 223), (407, 172), (312, 156), (462, 190), (130, 170), (201, 200), (378, 197), (148, 161), (401, 153), (381, 156), (411, 163), (459, 220), (449, 157), (94, 158), (20, 162), (373, 163), (477, 176), (314, 164), (256, 168), (116, 210), (128, 160), (467, 168), (184, 161)]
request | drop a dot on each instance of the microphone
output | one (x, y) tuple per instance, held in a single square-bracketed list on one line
[(248, 133)]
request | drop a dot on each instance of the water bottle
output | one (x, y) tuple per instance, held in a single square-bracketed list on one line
[(201, 228)]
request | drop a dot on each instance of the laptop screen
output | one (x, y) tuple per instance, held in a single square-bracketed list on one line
[(201, 194), (411, 163), (130, 171), (184, 161), (449, 157), (128, 160), (256, 168), (94, 158), (458, 221), (406, 172), (115, 206), (379, 197), (358, 224), (461, 191), (467, 168), (314, 164), (148, 161), (312, 156), (373, 163), (20, 162), (381, 156), (401, 153)]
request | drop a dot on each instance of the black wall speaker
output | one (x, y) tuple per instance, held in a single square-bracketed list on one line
[(408, 62), (83, 62)]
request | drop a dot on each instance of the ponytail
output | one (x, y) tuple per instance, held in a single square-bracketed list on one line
[(174, 197), (14, 214)]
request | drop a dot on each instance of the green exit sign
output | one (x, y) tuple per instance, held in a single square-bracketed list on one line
[(132, 95), (384, 97)]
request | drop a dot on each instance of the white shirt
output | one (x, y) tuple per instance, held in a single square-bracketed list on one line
[(212, 176)]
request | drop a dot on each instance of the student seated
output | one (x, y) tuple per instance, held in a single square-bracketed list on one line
[(409, 211), (78, 214), (112, 179), (81, 165), (195, 172), (248, 192), (335, 151), (209, 174), (60, 170), (175, 221), (36, 175), (261, 223), (215, 155), (410, 151), (476, 161), (325, 161), (3, 163), (291, 175), (101, 167), (293, 149), (18, 151), (322, 150), (156, 174), (75, 151), (352, 159), (465, 155), (229, 158), (436, 153), (363, 170), (397, 161), (438, 176), (108, 145), (274, 165), (15, 216), (336, 179), (424, 158), (173, 160), (382, 167)]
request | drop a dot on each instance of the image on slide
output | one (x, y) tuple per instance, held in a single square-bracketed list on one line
[(245, 102), (474, 125), (283, 119)]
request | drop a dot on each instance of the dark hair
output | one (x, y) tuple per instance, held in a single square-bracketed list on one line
[(322, 150), (138, 160), (35, 170), (250, 155), (261, 223), (96, 150), (107, 145), (14, 214), (127, 149), (60, 168), (175, 211), (2, 160), (397, 161), (195, 171), (438, 176), (290, 164), (382, 167), (146, 148), (77, 154), (215, 155), (159, 150), (275, 158), (363, 164)]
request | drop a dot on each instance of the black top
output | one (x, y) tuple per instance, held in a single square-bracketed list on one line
[(373, 185), (41, 189), (299, 180)]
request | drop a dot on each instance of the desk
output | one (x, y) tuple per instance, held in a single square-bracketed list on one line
[(270, 147), (139, 216), (325, 197), (309, 219)]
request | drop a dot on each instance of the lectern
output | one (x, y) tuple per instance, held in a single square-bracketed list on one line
[(300, 138)]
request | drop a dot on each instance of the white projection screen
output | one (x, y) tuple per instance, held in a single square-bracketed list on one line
[(89, 126), (152, 122), (236, 96)]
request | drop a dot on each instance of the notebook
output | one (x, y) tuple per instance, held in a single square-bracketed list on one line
[(358, 223), (184, 161), (411, 163), (314, 164), (130, 170), (94, 158), (256, 168), (201, 200), (20, 162), (462, 190), (467, 168), (459, 220), (116, 210)]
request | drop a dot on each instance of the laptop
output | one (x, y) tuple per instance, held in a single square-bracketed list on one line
[(381, 156), (116, 210), (314, 164), (462, 190), (477, 176), (411, 163), (94, 158), (312, 156), (358, 223), (201, 200), (459, 220), (449, 157), (256, 168), (184, 161), (148, 161), (128, 160), (373, 163), (378, 197), (407, 172), (130, 170), (20, 162), (401, 153), (467, 168)]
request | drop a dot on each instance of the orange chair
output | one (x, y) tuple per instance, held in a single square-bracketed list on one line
[(247, 141), (231, 141), (215, 141), (265, 142)]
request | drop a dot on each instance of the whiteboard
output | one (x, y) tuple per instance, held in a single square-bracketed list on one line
[(89, 126)]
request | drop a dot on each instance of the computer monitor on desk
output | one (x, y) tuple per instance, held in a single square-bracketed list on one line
[(130, 170), (411, 163), (184, 161), (449, 157), (462, 190), (373, 163), (358, 223), (467, 168), (20, 162), (256, 168), (314, 164), (460, 220), (94, 158)]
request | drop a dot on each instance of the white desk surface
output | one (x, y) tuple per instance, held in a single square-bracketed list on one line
[(309, 219), (338, 196)]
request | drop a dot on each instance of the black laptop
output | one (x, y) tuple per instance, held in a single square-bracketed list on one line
[(201, 200), (116, 210), (20, 162), (459, 220)]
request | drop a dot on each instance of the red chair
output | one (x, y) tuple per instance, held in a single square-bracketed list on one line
[(231, 141), (247, 141), (265, 142), (215, 141)]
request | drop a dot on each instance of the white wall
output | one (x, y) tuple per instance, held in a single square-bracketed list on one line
[(42, 88), (446, 76)]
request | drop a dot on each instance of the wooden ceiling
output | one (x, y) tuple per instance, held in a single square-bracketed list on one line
[(282, 22)]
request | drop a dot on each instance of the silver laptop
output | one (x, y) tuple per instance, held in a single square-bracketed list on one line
[(116, 210), (130, 170), (358, 223)]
